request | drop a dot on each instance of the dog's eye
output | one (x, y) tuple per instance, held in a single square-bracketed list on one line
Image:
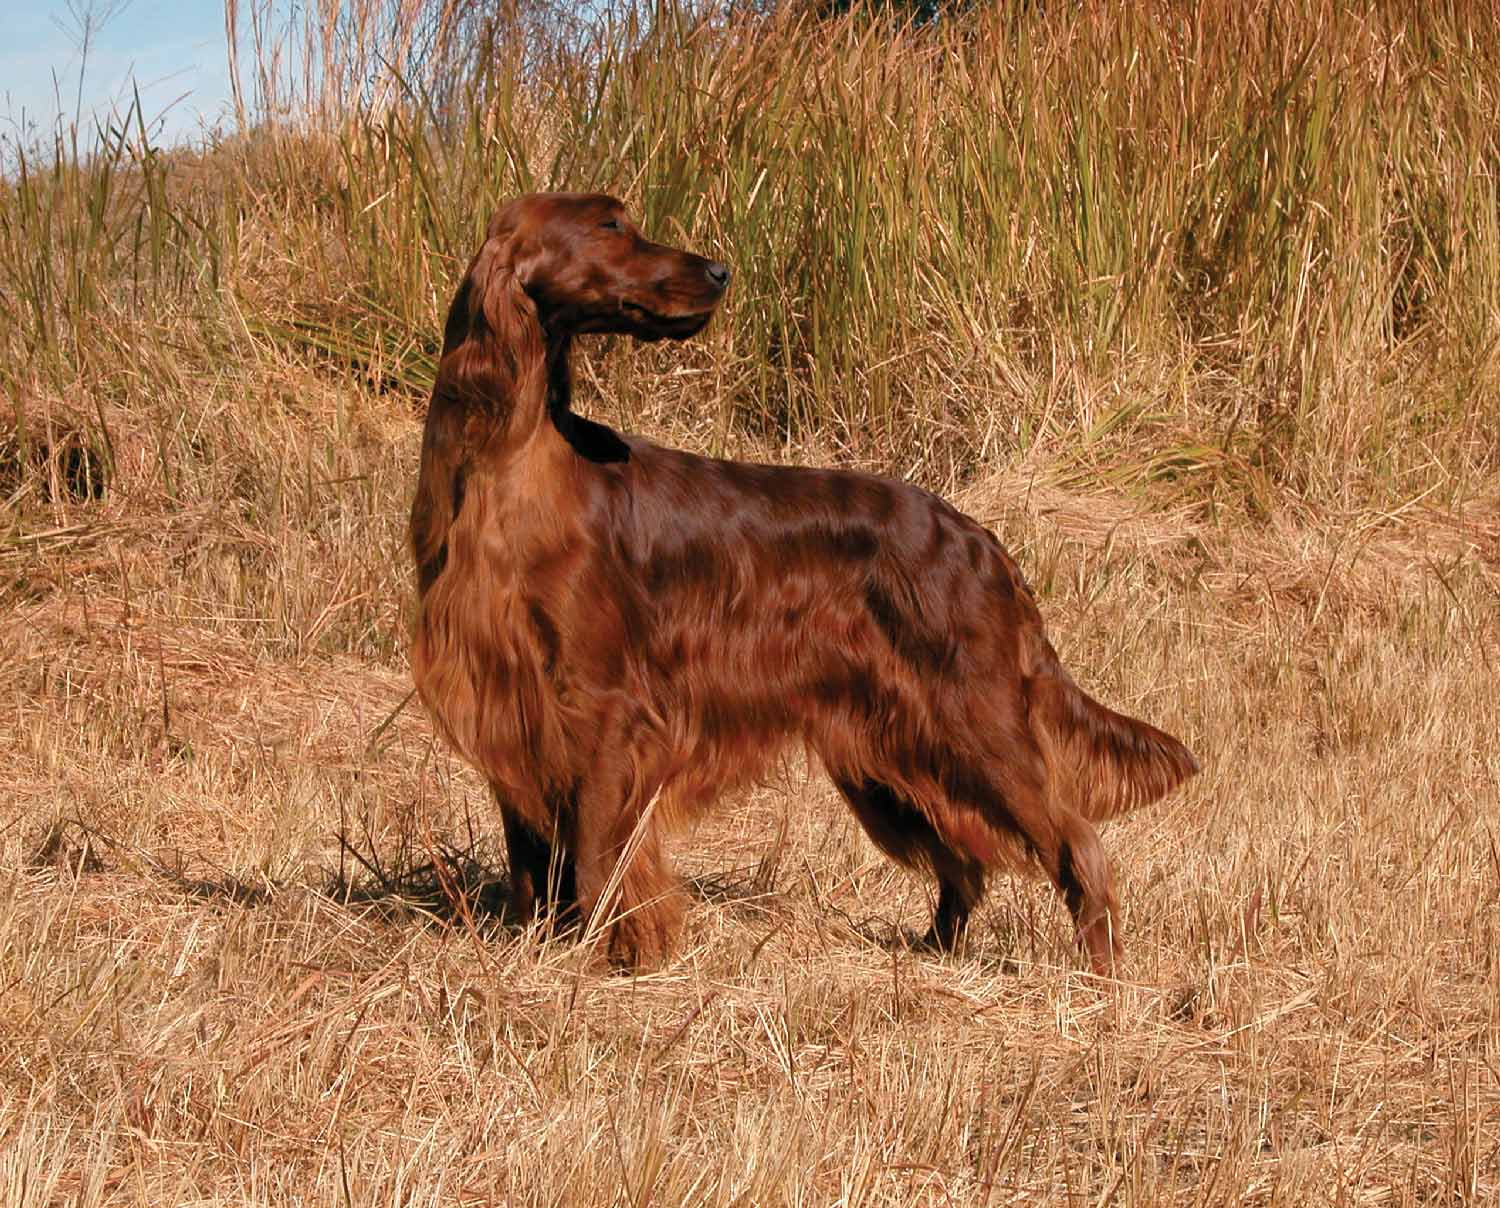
[(610, 224)]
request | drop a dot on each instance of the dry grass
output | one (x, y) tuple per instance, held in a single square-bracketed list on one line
[(250, 952), (1232, 404)]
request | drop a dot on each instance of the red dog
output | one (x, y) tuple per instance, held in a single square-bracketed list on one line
[(615, 633)]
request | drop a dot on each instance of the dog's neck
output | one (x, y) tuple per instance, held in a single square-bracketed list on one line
[(592, 441), (559, 374)]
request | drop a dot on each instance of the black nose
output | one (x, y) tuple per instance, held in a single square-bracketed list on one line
[(718, 273)]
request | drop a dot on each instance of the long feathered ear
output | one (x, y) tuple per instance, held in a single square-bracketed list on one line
[(491, 384), (493, 334), (460, 311)]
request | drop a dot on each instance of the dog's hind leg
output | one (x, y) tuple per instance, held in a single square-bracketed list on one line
[(904, 833), (1081, 872), (1011, 792), (1067, 848)]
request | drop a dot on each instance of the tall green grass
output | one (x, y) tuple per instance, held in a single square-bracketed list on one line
[(1218, 238)]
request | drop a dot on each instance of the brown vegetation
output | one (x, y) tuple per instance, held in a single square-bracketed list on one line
[(252, 945)]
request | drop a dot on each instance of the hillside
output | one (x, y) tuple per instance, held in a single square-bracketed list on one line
[(1199, 313)]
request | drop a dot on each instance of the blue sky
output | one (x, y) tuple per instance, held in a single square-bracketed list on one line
[(172, 49)]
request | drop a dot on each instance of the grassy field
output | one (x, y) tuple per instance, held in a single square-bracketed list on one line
[(1201, 313)]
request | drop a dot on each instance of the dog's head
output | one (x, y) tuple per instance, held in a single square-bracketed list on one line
[(582, 265)]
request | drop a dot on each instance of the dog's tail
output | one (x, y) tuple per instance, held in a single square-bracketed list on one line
[(1103, 762)]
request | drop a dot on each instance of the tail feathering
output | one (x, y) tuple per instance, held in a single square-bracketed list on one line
[(1105, 763)]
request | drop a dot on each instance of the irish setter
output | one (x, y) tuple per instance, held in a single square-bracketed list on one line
[(615, 633)]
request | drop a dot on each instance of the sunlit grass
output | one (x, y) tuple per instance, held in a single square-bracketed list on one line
[(1196, 310), (1288, 223)]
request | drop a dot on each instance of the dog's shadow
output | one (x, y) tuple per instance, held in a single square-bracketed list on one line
[(77, 849), (469, 886), (447, 884), (747, 893)]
